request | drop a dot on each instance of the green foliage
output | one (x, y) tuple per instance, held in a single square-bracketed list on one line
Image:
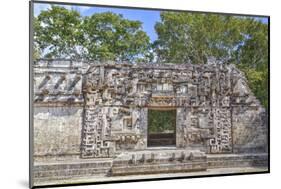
[(57, 33), (196, 38), (161, 121), (258, 82), (252, 58), (111, 37), (63, 33), (190, 37)]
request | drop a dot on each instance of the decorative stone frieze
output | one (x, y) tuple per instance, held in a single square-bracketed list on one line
[(216, 111)]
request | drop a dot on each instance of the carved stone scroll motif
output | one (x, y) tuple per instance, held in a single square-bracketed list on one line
[(95, 134), (116, 94), (222, 130)]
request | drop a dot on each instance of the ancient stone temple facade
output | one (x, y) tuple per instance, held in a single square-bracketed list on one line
[(95, 111)]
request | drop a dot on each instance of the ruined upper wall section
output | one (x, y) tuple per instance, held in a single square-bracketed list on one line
[(179, 85), (57, 82), (62, 81)]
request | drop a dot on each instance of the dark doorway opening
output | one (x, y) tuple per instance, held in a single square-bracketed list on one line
[(161, 127)]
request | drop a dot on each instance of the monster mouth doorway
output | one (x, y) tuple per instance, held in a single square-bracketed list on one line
[(161, 127)]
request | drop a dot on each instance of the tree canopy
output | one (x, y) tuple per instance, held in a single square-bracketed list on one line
[(110, 36), (63, 33), (57, 33), (195, 38)]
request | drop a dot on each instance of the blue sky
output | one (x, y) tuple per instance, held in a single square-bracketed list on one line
[(147, 17)]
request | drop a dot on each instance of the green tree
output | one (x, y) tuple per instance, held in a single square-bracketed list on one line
[(109, 36), (57, 33), (63, 33), (252, 58), (197, 38), (190, 37)]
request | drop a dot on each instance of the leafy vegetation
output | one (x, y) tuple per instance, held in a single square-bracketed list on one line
[(200, 38), (58, 33), (161, 121), (63, 33)]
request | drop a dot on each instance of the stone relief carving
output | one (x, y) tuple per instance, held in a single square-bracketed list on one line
[(222, 142), (116, 95), (205, 89)]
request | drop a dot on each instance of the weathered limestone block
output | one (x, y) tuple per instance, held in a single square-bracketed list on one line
[(57, 131), (237, 160), (57, 82), (249, 129)]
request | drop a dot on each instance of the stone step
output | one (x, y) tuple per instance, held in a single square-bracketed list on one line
[(76, 165), (154, 162), (71, 173), (237, 160), (172, 167), (47, 171)]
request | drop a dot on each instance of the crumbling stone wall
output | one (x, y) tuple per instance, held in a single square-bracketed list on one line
[(216, 111), (208, 99), (58, 109), (57, 131)]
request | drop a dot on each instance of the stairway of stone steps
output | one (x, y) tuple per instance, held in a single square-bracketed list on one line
[(237, 160), (152, 161), (64, 170)]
